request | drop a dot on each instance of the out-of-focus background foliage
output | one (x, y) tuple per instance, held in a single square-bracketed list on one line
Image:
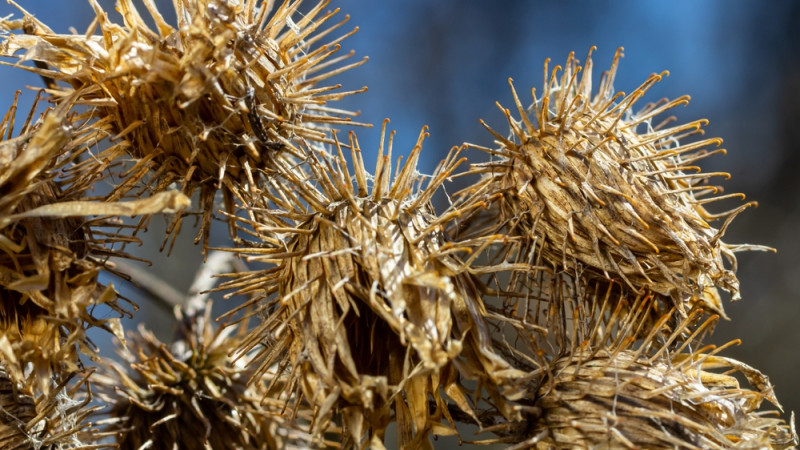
[(445, 63)]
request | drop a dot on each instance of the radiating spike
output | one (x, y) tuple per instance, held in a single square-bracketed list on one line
[(521, 110)]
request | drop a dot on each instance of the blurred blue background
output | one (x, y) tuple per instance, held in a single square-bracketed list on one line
[(445, 63)]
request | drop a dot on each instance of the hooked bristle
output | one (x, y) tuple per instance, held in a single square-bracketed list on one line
[(52, 253), (31, 420), (560, 301), (681, 400)]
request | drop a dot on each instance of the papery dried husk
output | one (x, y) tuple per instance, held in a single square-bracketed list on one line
[(17, 410), (557, 315), (192, 394), (52, 421), (368, 308), (599, 189), (626, 400), (203, 104)]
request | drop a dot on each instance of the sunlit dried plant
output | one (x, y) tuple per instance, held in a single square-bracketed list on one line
[(209, 104), (625, 400), (192, 393), (55, 420), (52, 254), (377, 319), (598, 187), (50, 262), (559, 301), (629, 382)]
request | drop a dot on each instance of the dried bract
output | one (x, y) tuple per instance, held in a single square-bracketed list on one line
[(619, 373), (52, 421), (555, 315), (560, 301), (53, 250), (624, 400), (49, 265)]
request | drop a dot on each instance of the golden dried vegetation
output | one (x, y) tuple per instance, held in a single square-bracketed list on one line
[(561, 300)]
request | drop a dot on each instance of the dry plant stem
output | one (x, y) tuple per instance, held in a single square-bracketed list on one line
[(159, 289)]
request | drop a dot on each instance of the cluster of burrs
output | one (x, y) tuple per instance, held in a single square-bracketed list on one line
[(560, 299)]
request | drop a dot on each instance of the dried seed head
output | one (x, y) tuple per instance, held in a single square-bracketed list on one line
[(190, 394), (622, 372), (202, 105), (50, 421), (377, 318), (50, 260), (17, 410), (601, 189), (622, 399)]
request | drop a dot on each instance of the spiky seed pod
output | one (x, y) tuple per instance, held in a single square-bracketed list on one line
[(601, 189), (540, 313), (52, 251), (378, 319), (203, 104), (50, 260), (190, 394), (17, 411), (617, 378), (52, 421), (625, 400)]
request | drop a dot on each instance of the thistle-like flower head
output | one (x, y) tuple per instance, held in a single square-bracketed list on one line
[(54, 420), (202, 104), (50, 259), (376, 315), (602, 188), (190, 394), (680, 400)]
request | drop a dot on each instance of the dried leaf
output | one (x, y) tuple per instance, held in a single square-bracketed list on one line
[(162, 202)]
